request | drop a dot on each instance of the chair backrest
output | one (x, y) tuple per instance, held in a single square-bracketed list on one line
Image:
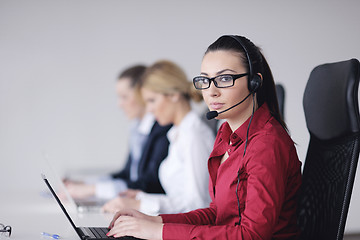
[(332, 118), (280, 93)]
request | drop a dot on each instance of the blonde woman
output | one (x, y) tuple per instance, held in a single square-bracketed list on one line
[(183, 174)]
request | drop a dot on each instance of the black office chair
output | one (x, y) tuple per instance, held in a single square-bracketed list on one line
[(332, 117), (280, 93)]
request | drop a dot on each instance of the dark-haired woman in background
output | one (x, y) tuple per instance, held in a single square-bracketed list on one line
[(148, 146), (254, 169)]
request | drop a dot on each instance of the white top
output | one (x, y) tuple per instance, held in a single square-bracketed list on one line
[(184, 173), (108, 187)]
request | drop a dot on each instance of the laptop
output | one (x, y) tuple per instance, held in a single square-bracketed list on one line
[(85, 233), (90, 204)]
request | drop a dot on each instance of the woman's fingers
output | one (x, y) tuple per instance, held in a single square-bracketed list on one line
[(116, 216), (136, 227), (123, 226), (124, 212)]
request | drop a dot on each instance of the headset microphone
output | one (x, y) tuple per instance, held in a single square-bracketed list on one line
[(213, 114)]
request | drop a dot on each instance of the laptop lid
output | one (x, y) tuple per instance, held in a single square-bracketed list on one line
[(90, 204), (61, 205)]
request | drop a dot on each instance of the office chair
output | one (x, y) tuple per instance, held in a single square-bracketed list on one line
[(280, 93), (332, 118)]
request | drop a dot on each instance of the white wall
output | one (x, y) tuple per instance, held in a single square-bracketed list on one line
[(59, 61)]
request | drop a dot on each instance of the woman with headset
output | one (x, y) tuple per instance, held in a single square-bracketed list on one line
[(254, 169)]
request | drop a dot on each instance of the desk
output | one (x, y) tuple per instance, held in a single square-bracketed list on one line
[(29, 213)]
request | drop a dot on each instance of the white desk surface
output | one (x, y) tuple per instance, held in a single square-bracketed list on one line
[(29, 213)]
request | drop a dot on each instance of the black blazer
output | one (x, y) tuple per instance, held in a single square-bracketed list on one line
[(155, 151)]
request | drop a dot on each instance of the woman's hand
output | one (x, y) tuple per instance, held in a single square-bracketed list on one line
[(120, 203), (79, 189), (130, 222), (130, 193), (134, 213)]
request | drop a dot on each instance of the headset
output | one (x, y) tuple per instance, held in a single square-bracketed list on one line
[(254, 83), (254, 80)]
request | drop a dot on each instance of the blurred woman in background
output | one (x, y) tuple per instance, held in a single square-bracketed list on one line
[(148, 146), (183, 174)]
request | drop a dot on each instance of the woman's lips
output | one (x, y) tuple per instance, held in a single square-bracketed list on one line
[(216, 106)]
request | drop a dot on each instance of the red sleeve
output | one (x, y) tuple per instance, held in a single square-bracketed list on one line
[(197, 217), (267, 176)]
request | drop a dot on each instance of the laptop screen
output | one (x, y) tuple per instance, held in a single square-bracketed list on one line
[(60, 204)]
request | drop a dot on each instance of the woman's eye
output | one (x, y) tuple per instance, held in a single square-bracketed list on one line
[(204, 80), (225, 78), (149, 100)]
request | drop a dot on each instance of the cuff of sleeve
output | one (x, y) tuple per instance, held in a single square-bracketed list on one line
[(109, 189), (174, 231), (149, 204)]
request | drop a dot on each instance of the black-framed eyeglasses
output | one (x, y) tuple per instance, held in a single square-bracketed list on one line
[(5, 230), (221, 81)]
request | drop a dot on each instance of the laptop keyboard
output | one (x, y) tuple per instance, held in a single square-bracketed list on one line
[(100, 232), (96, 232)]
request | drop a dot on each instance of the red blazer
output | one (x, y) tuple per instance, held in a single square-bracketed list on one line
[(270, 176)]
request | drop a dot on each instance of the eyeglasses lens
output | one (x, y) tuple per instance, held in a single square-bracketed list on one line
[(221, 81), (201, 82), (224, 81)]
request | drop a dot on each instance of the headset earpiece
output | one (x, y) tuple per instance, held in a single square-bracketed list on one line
[(254, 83)]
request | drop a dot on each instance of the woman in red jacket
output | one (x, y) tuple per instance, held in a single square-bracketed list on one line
[(254, 169)]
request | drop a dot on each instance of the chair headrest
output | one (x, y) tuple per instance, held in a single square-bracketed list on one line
[(331, 99)]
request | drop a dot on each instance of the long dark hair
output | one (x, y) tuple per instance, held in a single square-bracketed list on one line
[(267, 92)]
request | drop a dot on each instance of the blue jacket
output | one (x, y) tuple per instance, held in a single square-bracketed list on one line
[(155, 151)]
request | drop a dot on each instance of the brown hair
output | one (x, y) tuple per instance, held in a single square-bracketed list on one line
[(134, 74)]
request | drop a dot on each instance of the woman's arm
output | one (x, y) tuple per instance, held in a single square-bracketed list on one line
[(130, 222), (268, 174), (205, 216)]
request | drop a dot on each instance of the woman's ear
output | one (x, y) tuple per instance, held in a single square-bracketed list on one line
[(261, 77)]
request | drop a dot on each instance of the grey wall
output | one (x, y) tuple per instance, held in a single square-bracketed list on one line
[(59, 61)]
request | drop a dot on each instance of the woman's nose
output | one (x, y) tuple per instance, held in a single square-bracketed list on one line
[(213, 90), (149, 109)]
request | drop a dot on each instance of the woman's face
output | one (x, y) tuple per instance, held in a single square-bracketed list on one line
[(221, 62), (160, 105), (128, 100)]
